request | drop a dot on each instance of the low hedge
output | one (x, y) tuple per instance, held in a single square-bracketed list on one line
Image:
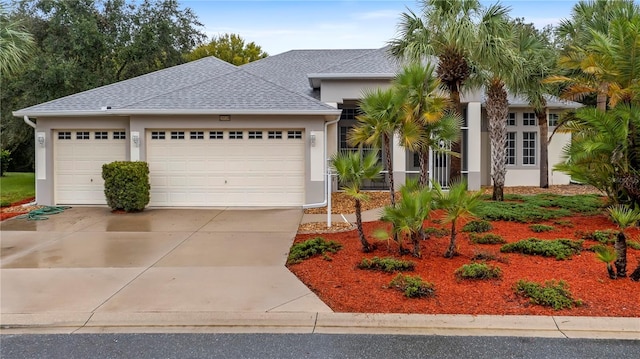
[(126, 185)]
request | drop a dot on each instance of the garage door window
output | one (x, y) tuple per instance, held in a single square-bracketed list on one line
[(119, 135), (196, 135), (275, 135), (157, 135), (293, 135), (216, 135), (255, 135), (102, 135), (235, 135), (64, 135), (177, 135), (82, 136)]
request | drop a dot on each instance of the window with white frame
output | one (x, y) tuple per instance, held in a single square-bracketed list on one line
[(511, 148), (235, 135), (511, 119), (82, 136), (529, 148), (275, 135), (255, 135), (553, 119), (64, 135), (101, 135), (119, 135), (177, 135), (216, 135), (158, 135), (528, 119), (196, 135), (293, 135)]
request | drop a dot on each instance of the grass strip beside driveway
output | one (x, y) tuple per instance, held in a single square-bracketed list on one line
[(16, 186)]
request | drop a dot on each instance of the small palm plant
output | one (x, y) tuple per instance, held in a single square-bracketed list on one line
[(624, 217), (607, 255), (457, 203), (409, 214), (352, 169)]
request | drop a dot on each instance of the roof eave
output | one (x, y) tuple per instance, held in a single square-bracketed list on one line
[(131, 112), (315, 79)]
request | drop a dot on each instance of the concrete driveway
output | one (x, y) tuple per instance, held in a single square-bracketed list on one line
[(87, 261)]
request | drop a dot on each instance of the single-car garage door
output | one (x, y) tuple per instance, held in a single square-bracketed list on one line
[(226, 167), (79, 156)]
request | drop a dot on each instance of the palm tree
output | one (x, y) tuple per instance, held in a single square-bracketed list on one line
[(15, 43), (607, 256), (409, 214), (425, 118), (352, 170), (623, 217), (377, 125), (457, 204)]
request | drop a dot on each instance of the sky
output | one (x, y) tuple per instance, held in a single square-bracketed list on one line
[(279, 26)]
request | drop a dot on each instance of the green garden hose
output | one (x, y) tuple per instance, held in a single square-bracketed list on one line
[(43, 213)]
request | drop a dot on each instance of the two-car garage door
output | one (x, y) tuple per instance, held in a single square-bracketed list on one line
[(226, 167)]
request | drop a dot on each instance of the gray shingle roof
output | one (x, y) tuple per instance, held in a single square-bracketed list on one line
[(373, 62), (553, 102), (291, 69)]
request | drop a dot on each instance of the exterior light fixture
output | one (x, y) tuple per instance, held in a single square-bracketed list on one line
[(312, 139), (225, 118), (41, 139), (136, 139)]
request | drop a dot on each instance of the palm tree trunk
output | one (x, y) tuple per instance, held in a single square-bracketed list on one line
[(415, 238), (544, 147), (456, 147), (601, 97), (389, 162), (621, 254), (366, 247), (423, 157), (497, 112), (451, 251)]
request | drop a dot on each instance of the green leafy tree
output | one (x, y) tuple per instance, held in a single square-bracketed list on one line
[(352, 169), (457, 203), (230, 48), (624, 217)]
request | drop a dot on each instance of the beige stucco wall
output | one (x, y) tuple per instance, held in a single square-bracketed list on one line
[(314, 187)]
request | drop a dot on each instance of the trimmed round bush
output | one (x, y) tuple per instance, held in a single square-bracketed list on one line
[(126, 185)]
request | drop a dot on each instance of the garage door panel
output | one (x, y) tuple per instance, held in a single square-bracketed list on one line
[(227, 171), (78, 165)]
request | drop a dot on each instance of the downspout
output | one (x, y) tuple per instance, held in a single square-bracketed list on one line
[(32, 124), (326, 170), (29, 122)]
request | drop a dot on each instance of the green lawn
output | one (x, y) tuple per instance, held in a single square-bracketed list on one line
[(15, 186)]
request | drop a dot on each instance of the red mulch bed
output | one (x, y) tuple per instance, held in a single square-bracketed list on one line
[(14, 209), (347, 289)]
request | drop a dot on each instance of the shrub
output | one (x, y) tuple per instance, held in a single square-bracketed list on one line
[(558, 248), (488, 256), (412, 287), (606, 236), (633, 245), (552, 294), (126, 185), (563, 223), (387, 264), (478, 271), (312, 247), (488, 238), (5, 158), (518, 212), (538, 228), (477, 226), (436, 232)]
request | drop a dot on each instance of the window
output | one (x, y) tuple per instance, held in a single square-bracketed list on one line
[(553, 119), (292, 135), (99, 135), (511, 148), (157, 135), (215, 135), (529, 119), (196, 135), (235, 135), (119, 135), (255, 135), (511, 119), (275, 135), (82, 136), (529, 148), (177, 135), (64, 135)]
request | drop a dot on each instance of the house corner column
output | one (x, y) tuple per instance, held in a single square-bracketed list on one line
[(474, 145), (399, 157)]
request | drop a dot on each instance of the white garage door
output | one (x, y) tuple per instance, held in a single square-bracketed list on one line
[(78, 159), (226, 167)]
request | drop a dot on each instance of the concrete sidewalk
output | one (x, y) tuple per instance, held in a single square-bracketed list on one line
[(204, 270)]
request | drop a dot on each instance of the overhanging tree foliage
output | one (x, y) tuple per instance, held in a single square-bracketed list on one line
[(230, 48)]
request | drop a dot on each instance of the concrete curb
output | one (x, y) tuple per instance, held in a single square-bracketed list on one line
[(325, 323)]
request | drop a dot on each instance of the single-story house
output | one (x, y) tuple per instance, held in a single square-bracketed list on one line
[(215, 134)]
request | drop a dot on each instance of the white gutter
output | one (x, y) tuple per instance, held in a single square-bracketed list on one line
[(29, 122), (210, 112), (327, 169)]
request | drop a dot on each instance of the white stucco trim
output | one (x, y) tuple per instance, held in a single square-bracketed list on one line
[(155, 112)]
